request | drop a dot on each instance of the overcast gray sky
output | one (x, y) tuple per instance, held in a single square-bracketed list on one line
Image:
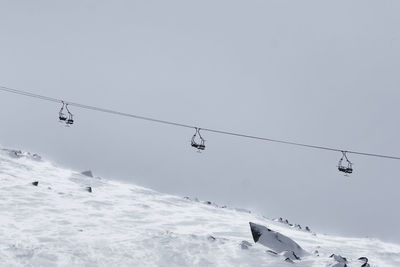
[(320, 72)]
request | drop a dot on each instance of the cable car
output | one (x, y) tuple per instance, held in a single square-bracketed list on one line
[(201, 145)]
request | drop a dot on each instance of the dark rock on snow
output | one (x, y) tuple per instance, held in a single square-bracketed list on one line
[(87, 173), (338, 258), (338, 264), (211, 238), (274, 240), (245, 244), (272, 252), (290, 254), (289, 260), (364, 260)]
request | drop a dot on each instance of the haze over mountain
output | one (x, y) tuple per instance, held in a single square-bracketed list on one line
[(311, 71)]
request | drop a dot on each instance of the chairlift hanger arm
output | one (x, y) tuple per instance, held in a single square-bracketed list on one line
[(94, 108), (69, 112)]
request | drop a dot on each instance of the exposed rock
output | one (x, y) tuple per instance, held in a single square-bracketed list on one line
[(272, 252), (289, 260), (290, 254), (35, 183), (192, 199), (338, 258), (274, 240), (210, 203), (87, 173), (20, 154), (364, 260), (245, 244), (15, 153), (211, 238)]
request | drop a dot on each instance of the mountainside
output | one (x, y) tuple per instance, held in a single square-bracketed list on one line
[(74, 219)]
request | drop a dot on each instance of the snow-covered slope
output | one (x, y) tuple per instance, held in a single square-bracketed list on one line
[(59, 223)]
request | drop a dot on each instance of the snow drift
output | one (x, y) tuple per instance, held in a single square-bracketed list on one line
[(59, 222)]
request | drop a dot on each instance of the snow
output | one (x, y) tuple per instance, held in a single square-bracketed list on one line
[(59, 223)]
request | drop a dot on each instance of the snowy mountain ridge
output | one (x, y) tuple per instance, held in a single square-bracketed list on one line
[(59, 222)]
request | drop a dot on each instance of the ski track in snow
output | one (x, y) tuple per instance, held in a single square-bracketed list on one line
[(59, 223)]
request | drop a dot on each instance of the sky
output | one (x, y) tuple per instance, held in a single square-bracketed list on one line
[(318, 72)]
